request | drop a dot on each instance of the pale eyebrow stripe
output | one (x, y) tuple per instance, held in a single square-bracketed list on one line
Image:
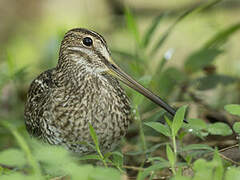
[(85, 31)]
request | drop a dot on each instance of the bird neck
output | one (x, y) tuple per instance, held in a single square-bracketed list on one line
[(69, 74)]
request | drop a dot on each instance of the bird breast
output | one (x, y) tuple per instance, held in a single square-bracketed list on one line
[(100, 102)]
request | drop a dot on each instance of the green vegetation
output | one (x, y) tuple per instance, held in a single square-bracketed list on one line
[(157, 146)]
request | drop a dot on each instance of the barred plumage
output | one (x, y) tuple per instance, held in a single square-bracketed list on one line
[(64, 100), (82, 89)]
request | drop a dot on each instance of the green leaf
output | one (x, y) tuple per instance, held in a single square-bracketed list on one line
[(197, 147), (91, 156), (148, 35), (178, 120), (117, 158), (12, 157), (147, 171), (236, 127), (132, 25), (233, 173), (169, 123), (212, 170), (180, 177), (165, 35), (170, 155), (95, 140), (79, 172), (197, 127), (211, 81), (24, 146), (190, 11), (101, 173), (157, 159), (124, 54), (197, 124), (233, 109), (53, 159), (159, 128), (169, 78), (200, 59), (219, 129), (10, 63), (86, 144), (94, 136), (222, 36), (17, 176)]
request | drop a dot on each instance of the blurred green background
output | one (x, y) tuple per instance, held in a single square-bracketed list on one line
[(192, 60), (31, 32)]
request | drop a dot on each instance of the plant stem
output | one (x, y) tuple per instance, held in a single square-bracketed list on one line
[(142, 136), (175, 153), (102, 157)]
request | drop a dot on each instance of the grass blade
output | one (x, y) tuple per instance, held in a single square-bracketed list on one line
[(132, 25), (221, 36), (96, 142), (124, 54), (168, 31), (148, 35), (94, 136), (179, 19), (197, 147)]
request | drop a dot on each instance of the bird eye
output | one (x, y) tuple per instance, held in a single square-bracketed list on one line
[(87, 41)]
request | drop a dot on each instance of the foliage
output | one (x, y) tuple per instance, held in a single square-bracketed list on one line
[(158, 143)]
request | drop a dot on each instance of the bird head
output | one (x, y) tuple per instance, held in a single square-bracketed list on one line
[(87, 50)]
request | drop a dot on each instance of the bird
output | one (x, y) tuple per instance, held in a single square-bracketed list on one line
[(83, 89)]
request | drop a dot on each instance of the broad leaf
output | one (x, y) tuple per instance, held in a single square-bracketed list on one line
[(233, 173), (197, 124), (219, 129), (233, 109), (159, 128), (167, 80), (211, 81), (12, 157), (236, 127), (200, 59), (178, 120)]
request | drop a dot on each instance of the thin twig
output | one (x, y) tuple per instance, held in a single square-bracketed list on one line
[(228, 159), (230, 147)]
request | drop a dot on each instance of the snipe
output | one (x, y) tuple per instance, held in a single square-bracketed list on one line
[(83, 88)]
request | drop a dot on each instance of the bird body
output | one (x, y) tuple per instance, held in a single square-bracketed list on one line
[(60, 108), (82, 89)]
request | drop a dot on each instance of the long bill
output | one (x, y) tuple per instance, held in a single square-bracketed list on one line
[(129, 81)]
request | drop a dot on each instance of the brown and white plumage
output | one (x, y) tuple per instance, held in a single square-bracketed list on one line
[(64, 100), (82, 89)]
